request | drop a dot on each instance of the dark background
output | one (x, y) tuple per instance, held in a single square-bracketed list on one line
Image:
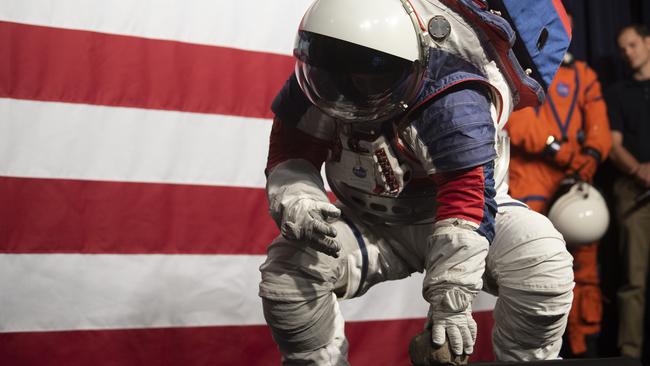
[(596, 25)]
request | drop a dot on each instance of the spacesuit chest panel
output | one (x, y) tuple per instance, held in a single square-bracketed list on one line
[(365, 158), (368, 172)]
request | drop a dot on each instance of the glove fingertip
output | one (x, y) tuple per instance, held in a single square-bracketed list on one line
[(330, 247), (329, 210), (288, 230), (473, 328), (438, 335), (455, 340), (332, 252)]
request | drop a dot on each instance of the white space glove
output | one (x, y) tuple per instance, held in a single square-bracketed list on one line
[(455, 264), (451, 315), (306, 220)]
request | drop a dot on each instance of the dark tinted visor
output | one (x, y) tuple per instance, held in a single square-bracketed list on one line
[(350, 81)]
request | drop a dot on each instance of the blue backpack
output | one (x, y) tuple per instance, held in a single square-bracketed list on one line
[(530, 36)]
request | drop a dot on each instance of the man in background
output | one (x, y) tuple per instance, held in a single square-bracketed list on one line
[(629, 111), (568, 136)]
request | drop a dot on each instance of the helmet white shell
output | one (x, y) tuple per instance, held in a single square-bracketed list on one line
[(383, 25), (580, 214)]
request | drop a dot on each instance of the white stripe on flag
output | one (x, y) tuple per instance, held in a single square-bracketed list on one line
[(78, 141), (73, 292), (268, 26)]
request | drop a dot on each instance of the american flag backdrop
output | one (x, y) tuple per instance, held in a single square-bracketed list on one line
[(133, 218)]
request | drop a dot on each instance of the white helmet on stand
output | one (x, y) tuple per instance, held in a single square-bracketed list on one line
[(579, 212), (360, 60)]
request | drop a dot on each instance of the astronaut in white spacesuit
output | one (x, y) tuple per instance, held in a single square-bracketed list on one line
[(402, 102)]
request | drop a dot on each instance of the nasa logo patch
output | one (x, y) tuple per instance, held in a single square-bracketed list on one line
[(563, 89), (359, 171)]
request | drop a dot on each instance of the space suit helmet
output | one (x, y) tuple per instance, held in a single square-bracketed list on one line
[(579, 212), (359, 60)]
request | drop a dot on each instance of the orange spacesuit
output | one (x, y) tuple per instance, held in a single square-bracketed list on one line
[(568, 135)]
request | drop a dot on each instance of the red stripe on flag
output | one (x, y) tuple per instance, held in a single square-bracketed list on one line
[(52, 64), (371, 343), (69, 216)]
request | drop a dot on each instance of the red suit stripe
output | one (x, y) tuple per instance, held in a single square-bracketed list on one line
[(291, 143), (461, 194)]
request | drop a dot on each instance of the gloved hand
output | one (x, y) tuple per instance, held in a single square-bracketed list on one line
[(564, 157), (584, 166), (558, 152), (306, 220), (451, 315)]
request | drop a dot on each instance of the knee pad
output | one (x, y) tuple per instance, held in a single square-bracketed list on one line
[(301, 326), (528, 254), (529, 326), (533, 271), (294, 272), (544, 311)]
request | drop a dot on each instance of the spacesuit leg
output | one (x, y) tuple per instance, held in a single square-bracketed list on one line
[(530, 270), (300, 286)]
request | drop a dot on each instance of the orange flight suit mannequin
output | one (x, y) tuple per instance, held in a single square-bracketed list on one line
[(575, 115)]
